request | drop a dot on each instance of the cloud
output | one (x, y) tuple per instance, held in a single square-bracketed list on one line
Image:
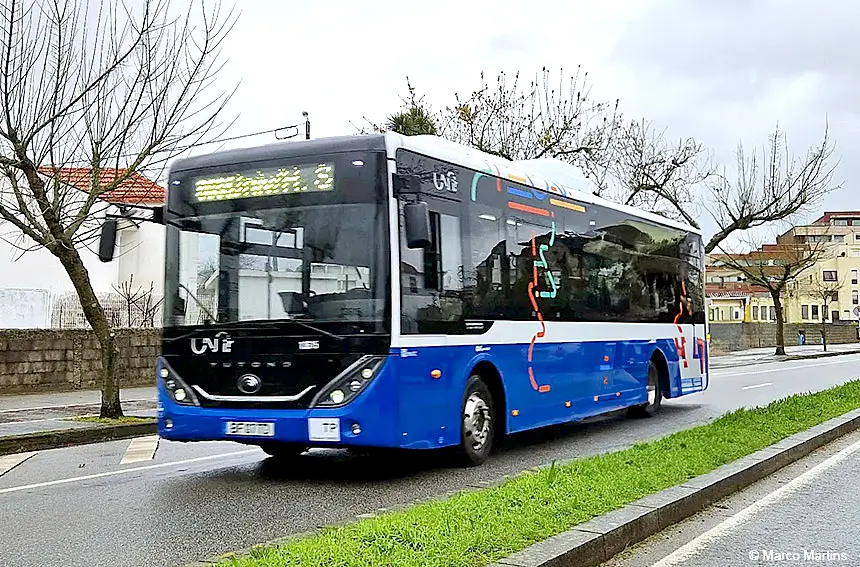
[(719, 71)]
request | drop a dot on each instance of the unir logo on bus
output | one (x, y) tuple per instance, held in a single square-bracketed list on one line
[(445, 181), (219, 343)]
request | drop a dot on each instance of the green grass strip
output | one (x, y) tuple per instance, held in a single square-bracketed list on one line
[(111, 421), (478, 527)]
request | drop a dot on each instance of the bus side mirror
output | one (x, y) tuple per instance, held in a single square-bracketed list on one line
[(107, 240), (417, 220)]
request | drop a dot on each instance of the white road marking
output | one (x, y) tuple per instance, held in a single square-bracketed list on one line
[(694, 547), (757, 386), (729, 373), (9, 462), (123, 471), (140, 449)]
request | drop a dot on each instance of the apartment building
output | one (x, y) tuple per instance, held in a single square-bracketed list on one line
[(731, 299)]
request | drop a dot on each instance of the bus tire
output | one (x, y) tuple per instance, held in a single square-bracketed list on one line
[(477, 423), (283, 451), (655, 395)]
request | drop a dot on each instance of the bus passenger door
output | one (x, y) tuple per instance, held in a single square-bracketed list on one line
[(431, 311)]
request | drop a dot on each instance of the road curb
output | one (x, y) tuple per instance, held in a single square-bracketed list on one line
[(822, 354), (70, 437), (598, 540)]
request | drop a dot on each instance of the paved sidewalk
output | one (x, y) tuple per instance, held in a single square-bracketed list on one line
[(34, 413), (763, 355)]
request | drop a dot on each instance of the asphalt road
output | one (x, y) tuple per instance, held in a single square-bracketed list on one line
[(81, 507), (807, 513)]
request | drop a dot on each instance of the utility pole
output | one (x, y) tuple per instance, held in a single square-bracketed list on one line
[(307, 125)]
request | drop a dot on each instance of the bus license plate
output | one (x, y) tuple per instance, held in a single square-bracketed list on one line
[(250, 429)]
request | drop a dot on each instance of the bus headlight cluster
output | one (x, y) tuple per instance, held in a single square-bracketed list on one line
[(349, 383), (178, 390)]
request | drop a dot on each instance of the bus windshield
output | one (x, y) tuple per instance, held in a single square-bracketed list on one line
[(307, 255)]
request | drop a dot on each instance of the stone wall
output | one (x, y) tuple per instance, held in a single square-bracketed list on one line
[(59, 360), (730, 337)]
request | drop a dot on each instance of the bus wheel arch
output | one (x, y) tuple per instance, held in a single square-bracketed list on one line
[(657, 387), (483, 397), (659, 360), (490, 375)]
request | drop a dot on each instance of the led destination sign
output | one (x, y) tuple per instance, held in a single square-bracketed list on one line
[(281, 181)]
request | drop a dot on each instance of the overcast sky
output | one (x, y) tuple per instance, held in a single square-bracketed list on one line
[(719, 71)]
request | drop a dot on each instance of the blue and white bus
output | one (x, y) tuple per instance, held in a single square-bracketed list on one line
[(409, 292)]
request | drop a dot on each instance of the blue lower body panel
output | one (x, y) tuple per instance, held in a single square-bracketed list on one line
[(415, 400)]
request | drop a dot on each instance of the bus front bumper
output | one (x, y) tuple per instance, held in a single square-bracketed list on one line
[(357, 424), (316, 428)]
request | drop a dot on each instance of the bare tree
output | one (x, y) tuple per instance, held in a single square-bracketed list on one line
[(654, 174), (506, 119), (141, 307), (99, 86), (773, 267), (775, 188), (543, 119), (823, 292), (628, 161)]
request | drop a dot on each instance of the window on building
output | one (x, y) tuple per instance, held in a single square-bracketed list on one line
[(857, 236), (804, 312), (773, 313), (830, 275), (855, 254), (853, 277), (855, 298), (737, 315), (840, 222), (835, 316), (815, 313), (755, 312)]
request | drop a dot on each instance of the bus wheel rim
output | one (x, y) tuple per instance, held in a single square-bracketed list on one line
[(652, 389), (476, 421)]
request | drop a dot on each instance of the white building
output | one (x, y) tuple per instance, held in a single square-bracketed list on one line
[(35, 290)]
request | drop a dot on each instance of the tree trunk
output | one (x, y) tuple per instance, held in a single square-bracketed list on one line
[(824, 328), (95, 315), (780, 325)]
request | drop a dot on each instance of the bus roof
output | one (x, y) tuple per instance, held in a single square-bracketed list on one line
[(287, 149), (541, 174)]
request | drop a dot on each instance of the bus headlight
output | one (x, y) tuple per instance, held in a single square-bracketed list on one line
[(349, 383), (176, 388)]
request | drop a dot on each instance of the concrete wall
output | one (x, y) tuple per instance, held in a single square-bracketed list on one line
[(60, 360), (730, 337)]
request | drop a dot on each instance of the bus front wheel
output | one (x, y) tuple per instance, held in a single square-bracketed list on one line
[(478, 424), (655, 395)]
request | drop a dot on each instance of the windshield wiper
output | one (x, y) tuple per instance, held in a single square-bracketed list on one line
[(261, 325), (316, 329), (212, 318)]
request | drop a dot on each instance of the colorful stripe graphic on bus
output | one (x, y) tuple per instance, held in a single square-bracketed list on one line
[(539, 261), (538, 251)]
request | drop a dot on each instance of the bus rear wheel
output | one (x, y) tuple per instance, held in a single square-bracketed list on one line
[(283, 451), (478, 423), (655, 395)]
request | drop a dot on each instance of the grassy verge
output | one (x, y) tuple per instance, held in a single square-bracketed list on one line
[(107, 421), (478, 527)]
